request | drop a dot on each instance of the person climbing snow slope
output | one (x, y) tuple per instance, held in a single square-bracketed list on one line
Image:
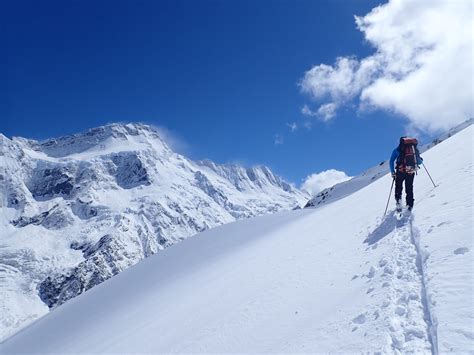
[(404, 163)]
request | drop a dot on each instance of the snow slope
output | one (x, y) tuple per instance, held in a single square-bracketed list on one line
[(76, 210), (348, 187), (337, 278)]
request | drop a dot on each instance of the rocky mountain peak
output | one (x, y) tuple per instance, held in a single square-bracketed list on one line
[(81, 208), (118, 135)]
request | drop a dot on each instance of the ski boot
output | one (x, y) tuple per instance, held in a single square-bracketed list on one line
[(399, 206)]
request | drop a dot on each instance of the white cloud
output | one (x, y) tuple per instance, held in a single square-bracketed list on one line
[(315, 183), (327, 111), (422, 65), (340, 83), (278, 139), (308, 125), (306, 111), (292, 126)]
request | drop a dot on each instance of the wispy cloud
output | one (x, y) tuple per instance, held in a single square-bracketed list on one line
[(176, 143), (327, 111), (421, 68), (324, 113), (292, 126), (278, 139), (308, 125), (306, 111)]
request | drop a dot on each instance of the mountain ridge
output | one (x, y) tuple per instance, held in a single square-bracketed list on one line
[(78, 209)]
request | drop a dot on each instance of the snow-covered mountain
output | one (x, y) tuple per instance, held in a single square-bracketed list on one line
[(79, 209), (337, 278)]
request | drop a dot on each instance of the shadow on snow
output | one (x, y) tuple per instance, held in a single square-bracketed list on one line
[(388, 225)]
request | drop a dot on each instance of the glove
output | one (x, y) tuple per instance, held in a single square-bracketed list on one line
[(394, 176)]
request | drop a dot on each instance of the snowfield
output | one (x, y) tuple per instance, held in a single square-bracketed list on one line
[(336, 278)]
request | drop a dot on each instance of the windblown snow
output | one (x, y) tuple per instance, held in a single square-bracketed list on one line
[(336, 278)]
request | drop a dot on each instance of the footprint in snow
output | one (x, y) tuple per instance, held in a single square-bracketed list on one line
[(462, 250), (360, 319), (387, 270), (443, 223), (371, 273), (400, 310), (382, 262)]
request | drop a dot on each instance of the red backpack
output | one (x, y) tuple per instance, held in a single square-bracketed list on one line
[(407, 159)]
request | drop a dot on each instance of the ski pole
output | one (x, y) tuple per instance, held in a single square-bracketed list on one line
[(429, 175), (390, 194)]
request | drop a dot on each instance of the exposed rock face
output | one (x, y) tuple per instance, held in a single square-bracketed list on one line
[(130, 171), (55, 218), (77, 210), (101, 263), (205, 185), (52, 182)]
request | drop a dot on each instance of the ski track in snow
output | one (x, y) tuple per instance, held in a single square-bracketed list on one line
[(422, 257), (406, 310)]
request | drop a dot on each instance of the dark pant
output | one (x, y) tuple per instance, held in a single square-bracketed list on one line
[(408, 178)]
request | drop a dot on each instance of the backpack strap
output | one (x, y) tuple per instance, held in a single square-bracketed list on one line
[(399, 163)]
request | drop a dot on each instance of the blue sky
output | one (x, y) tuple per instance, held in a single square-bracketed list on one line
[(221, 75)]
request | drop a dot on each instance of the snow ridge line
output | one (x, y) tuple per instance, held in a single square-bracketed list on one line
[(430, 318)]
